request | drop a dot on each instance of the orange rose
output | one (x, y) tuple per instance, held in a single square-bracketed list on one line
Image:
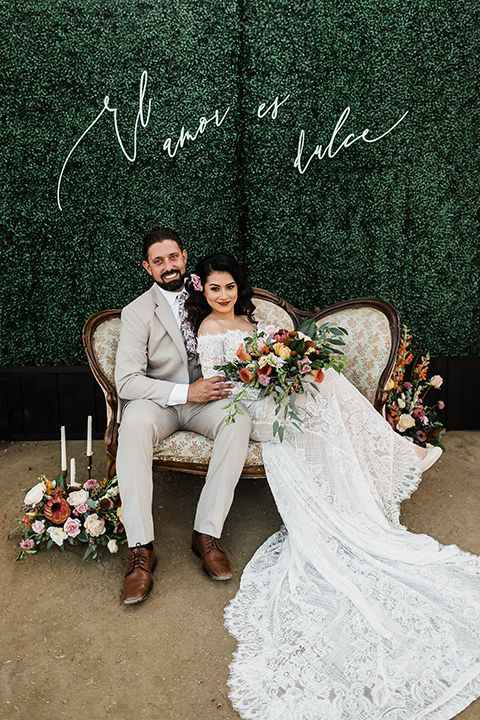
[(244, 375)]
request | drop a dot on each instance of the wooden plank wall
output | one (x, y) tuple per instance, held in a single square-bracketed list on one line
[(36, 401)]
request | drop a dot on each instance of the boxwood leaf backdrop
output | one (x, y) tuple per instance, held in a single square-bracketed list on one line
[(394, 219)]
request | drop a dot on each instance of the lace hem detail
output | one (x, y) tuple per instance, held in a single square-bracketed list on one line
[(343, 614)]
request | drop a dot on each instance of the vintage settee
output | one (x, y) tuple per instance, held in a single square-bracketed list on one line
[(371, 347)]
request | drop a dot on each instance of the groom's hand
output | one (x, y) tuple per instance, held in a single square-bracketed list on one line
[(214, 388)]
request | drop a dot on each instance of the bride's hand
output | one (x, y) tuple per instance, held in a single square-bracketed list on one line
[(214, 388)]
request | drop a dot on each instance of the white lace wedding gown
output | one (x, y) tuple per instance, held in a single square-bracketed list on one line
[(343, 614)]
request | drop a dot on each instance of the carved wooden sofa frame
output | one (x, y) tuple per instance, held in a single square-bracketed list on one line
[(371, 348)]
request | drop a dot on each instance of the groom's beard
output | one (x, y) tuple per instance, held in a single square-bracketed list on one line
[(173, 285)]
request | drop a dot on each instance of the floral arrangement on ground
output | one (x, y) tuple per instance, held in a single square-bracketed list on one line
[(55, 513), (406, 407), (283, 364)]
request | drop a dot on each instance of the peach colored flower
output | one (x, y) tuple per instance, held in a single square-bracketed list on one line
[(436, 381), (94, 525), (405, 422)]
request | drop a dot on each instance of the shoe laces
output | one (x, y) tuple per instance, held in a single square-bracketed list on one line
[(213, 543), (138, 558)]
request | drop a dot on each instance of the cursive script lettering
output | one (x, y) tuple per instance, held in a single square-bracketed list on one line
[(273, 108), (143, 121), (140, 118), (329, 151), (185, 135)]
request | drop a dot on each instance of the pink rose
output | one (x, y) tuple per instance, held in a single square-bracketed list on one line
[(441, 404), (90, 484), (38, 527), (27, 544), (271, 329), (83, 508), (72, 527)]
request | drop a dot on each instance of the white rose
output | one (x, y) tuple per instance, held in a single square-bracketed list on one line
[(34, 495), (112, 546), (57, 535), (436, 381), (405, 422), (94, 525), (78, 497)]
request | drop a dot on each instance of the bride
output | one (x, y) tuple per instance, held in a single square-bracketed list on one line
[(342, 614)]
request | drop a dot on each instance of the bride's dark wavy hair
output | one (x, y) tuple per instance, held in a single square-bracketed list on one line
[(196, 304)]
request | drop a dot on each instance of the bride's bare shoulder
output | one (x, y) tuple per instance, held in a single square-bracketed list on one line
[(210, 326)]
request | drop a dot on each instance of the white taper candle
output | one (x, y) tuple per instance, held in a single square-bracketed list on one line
[(63, 448), (89, 436)]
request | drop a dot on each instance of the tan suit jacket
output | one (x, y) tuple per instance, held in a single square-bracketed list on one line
[(151, 359), (151, 355)]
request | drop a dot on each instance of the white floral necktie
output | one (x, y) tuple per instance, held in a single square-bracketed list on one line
[(185, 326)]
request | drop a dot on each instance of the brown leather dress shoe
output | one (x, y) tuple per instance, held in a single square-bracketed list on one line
[(214, 558), (138, 578)]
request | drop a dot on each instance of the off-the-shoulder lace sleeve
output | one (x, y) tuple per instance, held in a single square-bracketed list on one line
[(211, 352)]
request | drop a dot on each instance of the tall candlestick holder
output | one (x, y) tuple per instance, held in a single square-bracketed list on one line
[(89, 465), (65, 476)]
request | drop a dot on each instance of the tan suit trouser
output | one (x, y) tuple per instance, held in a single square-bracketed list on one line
[(143, 425)]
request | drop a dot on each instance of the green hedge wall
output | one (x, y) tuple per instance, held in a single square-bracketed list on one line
[(394, 219)]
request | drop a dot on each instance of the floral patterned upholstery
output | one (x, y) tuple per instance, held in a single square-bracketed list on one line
[(104, 344), (189, 447), (266, 313), (368, 346)]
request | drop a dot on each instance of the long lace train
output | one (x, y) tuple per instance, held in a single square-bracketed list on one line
[(343, 614)]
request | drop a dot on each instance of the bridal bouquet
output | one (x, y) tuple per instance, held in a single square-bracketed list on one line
[(406, 408), (281, 363), (55, 513)]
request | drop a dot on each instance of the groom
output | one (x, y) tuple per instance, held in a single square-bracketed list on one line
[(161, 390)]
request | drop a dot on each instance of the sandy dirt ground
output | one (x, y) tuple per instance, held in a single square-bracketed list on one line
[(71, 649)]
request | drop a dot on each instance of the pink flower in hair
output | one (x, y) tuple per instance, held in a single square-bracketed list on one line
[(197, 283)]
